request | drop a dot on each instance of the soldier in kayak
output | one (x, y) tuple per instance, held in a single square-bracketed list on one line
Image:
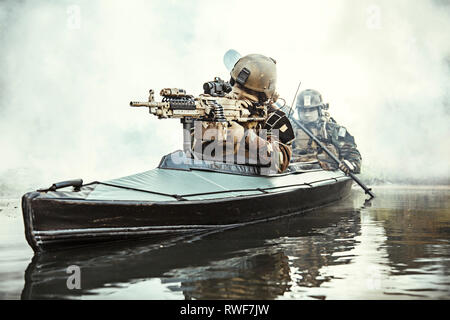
[(263, 143), (312, 114)]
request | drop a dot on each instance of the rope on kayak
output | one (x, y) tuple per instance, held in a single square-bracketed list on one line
[(182, 197), (262, 190), (176, 196)]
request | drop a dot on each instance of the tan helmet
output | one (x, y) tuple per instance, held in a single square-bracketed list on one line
[(256, 72)]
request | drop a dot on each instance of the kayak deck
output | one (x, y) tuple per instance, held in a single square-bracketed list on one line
[(195, 182), (173, 200)]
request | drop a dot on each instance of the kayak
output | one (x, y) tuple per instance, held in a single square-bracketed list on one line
[(181, 196), (191, 267)]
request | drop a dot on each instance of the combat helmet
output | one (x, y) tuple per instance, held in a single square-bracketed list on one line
[(310, 98), (256, 72)]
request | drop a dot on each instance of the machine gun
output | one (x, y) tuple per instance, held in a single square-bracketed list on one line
[(177, 104)]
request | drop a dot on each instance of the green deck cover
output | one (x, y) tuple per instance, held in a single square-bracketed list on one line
[(182, 183)]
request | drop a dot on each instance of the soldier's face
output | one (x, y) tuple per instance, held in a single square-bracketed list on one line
[(243, 94), (308, 115)]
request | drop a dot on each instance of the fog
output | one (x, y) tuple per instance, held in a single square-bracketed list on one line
[(69, 68)]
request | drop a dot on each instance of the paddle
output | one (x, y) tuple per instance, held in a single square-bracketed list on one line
[(230, 58), (332, 156), (293, 101)]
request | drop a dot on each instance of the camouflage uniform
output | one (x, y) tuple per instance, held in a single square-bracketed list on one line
[(268, 149), (253, 80), (335, 138)]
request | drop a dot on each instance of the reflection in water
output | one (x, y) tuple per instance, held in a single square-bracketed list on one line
[(358, 270), (396, 248), (262, 276), (418, 241)]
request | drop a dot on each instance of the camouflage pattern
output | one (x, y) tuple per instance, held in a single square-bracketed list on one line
[(335, 138), (266, 142), (269, 148)]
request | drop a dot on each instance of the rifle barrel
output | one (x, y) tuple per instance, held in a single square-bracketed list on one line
[(139, 104)]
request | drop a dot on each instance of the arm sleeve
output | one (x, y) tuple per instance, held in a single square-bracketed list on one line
[(348, 151), (346, 146)]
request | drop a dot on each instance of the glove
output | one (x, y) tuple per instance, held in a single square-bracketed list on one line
[(325, 162), (325, 165), (346, 166), (246, 103)]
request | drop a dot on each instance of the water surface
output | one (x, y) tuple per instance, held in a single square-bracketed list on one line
[(395, 247)]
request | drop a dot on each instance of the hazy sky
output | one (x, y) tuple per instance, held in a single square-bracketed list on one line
[(69, 69)]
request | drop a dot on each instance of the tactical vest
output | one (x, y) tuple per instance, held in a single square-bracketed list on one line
[(305, 149), (303, 141)]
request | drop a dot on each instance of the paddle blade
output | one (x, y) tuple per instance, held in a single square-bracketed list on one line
[(230, 58)]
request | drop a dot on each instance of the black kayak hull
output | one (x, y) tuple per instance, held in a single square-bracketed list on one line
[(182, 196), (59, 223)]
